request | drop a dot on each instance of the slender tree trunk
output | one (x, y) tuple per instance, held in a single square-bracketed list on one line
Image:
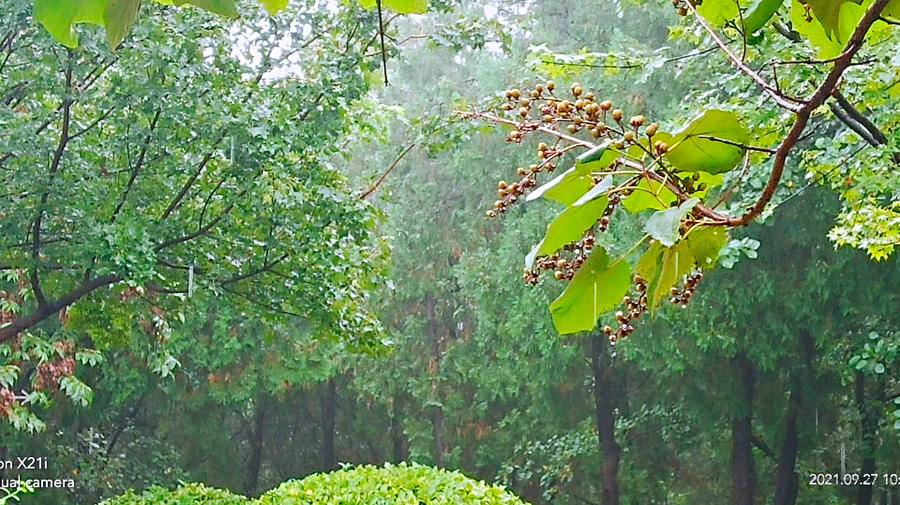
[(786, 478), (869, 419), (743, 471), (398, 440), (329, 425), (434, 367), (605, 390), (256, 448)]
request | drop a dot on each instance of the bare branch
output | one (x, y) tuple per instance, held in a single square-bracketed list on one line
[(387, 172)]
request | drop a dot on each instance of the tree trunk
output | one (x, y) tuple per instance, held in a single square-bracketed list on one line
[(786, 478), (434, 367), (256, 449), (869, 433), (743, 471), (605, 389), (398, 440), (329, 426)]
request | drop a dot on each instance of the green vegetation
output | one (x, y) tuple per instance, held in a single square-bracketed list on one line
[(237, 263)]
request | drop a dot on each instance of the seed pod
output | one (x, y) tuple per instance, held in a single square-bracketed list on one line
[(628, 136), (637, 121), (651, 129), (577, 90), (617, 115), (551, 86), (572, 128), (606, 105), (523, 111)]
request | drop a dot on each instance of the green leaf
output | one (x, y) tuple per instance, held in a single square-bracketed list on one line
[(599, 189), (225, 8), (569, 226), (759, 14), (120, 16), (662, 267), (399, 6), (663, 225), (597, 158), (597, 287), (705, 243), (643, 197), (58, 17), (274, 6), (832, 24), (719, 12), (565, 188), (695, 149)]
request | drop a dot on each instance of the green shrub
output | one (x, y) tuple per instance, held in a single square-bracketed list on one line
[(363, 485), (389, 485), (189, 494)]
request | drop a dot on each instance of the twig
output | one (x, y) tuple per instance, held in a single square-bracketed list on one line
[(387, 172)]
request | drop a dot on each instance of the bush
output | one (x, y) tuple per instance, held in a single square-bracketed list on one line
[(388, 485), (363, 485), (189, 494)]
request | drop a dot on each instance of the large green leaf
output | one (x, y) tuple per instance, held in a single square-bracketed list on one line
[(399, 6), (759, 14), (59, 17), (225, 8), (596, 158), (597, 287), (661, 267), (828, 35), (697, 147), (119, 16), (569, 226), (643, 197), (663, 225), (565, 188), (274, 6), (719, 12), (705, 244)]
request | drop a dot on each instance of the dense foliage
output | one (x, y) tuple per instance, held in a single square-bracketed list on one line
[(401, 485), (341, 298)]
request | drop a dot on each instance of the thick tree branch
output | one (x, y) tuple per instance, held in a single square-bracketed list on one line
[(822, 93), (42, 313)]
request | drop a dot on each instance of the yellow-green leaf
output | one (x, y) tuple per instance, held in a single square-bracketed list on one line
[(274, 6), (59, 17), (699, 147), (399, 6), (120, 16), (597, 287)]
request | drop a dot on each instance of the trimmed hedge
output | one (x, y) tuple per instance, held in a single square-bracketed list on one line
[(389, 485), (363, 485), (189, 494)]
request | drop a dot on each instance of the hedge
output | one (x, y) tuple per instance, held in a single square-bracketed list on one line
[(363, 485)]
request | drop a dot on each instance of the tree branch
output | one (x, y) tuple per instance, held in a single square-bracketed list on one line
[(387, 172), (42, 313), (825, 90)]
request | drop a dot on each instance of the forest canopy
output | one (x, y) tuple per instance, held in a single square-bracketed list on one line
[(267, 250)]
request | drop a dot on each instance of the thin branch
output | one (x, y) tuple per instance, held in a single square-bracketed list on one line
[(779, 99), (387, 172), (825, 90), (383, 48)]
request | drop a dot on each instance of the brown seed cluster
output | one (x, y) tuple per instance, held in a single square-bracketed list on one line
[(681, 5), (50, 373), (7, 402), (683, 296), (579, 112), (635, 305), (562, 265)]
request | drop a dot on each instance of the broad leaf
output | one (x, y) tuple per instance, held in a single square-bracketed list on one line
[(662, 267), (705, 244), (698, 147), (649, 195), (663, 225), (58, 17), (225, 8), (719, 12), (596, 158), (759, 14), (274, 6), (599, 189), (569, 226), (399, 6), (565, 188), (597, 287), (120, 16)]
